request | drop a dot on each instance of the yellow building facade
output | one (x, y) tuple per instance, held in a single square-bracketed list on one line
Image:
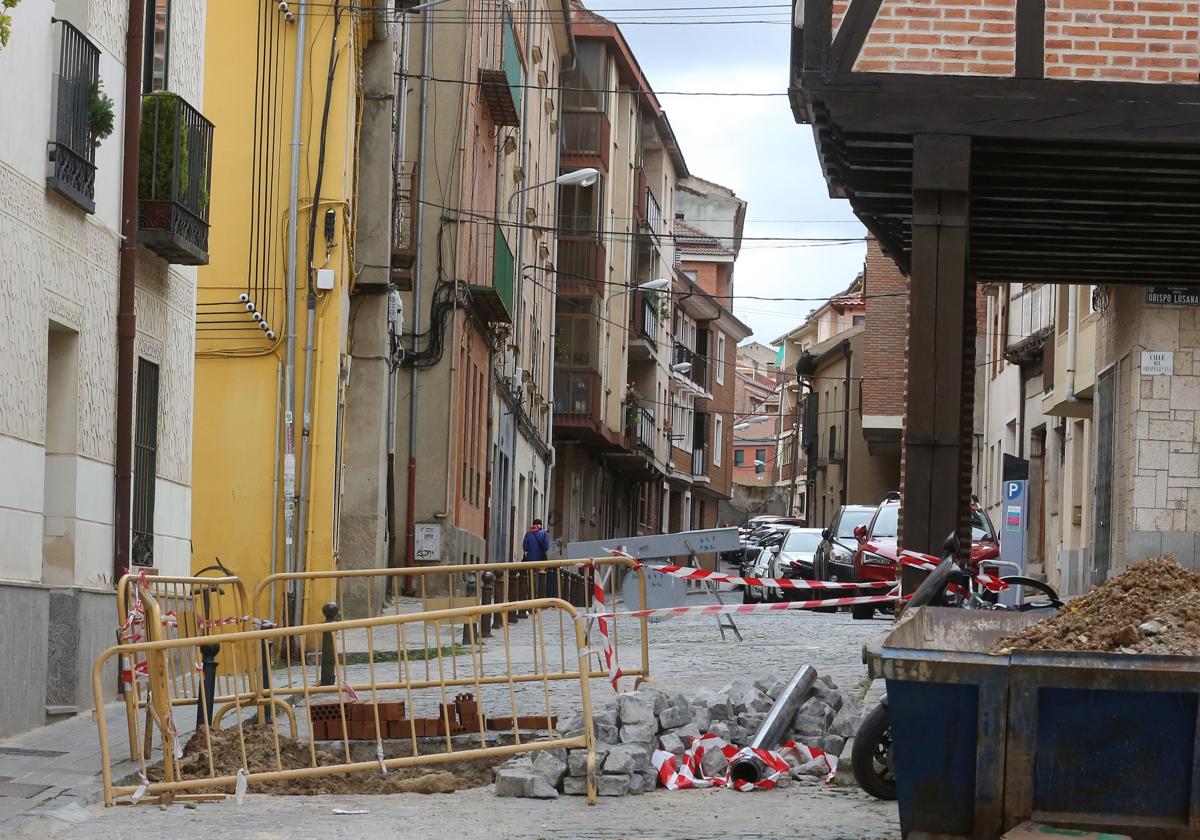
[(268, 469)]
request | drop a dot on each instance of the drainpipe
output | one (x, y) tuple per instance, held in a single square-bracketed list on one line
[(552, 461), (289, 377), (418, 260), (1072, 341), (126, 319)]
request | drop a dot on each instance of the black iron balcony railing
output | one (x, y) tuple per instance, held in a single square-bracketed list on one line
[(72, 149), (653, 213), (645, 320), (697, 373), (174, 179), (643, 432)]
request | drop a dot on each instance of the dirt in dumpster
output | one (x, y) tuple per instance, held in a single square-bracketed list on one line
[(261, 758), (1152, 607)]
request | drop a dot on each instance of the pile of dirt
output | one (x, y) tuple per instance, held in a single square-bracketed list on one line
[(1152, 607), (261, 757)]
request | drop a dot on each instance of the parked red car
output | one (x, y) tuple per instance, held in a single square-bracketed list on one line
[(875, 559)]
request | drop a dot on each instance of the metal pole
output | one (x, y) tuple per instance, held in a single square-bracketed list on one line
[(328, 666), (775, 727), (204, 710), (289, 379), (418, 261)]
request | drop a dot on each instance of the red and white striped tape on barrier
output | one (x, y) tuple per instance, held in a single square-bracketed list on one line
[(610, 659), (683, 772), (728, 609), (691, 573), (258, 623)]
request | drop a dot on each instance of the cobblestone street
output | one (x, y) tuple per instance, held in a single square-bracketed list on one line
[(686, 654)]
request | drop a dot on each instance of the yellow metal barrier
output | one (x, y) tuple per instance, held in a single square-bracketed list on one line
[(188, 608), (371, 592), (523, 690)]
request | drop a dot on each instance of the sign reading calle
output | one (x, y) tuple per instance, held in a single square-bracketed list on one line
[(1158, 363)]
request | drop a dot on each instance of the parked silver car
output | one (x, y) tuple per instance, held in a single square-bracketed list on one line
[(795, 559)]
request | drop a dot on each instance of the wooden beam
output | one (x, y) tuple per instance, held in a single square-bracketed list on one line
[(851, 36), (1031, 39), (1037, 110), (939, 409)]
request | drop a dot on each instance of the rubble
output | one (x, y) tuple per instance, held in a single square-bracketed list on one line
[(633, 725), (1151, 607)]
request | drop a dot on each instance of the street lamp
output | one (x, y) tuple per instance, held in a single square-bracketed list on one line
[(740, 427), (682, 367), (759, 463), (577, 178)]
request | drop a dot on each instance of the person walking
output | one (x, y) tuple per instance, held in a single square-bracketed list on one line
[(536, 546)]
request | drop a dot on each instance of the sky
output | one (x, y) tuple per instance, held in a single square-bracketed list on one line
[(750, 144)]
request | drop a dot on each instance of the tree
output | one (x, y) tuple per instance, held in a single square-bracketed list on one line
[(6, 20)]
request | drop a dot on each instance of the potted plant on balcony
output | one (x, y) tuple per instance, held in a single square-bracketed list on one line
[(172, 208), (100, 115)]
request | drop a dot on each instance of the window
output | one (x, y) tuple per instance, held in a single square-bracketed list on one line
[(720, 358), (585, 87), (157, 45), (887, 523), (691, 275), (718, 439), (575, 343), (760, 461), (145, 463), (579, 208), (859, 320), (739, 457)]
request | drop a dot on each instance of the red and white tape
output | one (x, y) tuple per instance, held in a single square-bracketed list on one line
[(258, 623), (683, 772), (692, 573), (610, 658), (729, 609)]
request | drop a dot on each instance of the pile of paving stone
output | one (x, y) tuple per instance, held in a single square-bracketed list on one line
[(629, 729)]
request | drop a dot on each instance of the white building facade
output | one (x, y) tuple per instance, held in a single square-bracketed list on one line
[(60, 211)]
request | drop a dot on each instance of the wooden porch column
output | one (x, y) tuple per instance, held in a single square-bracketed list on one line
[(939, 410)]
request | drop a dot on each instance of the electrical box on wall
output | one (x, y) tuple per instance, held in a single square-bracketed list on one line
[(325, 279)]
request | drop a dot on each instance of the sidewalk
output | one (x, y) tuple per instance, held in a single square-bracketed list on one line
[(45, 769)]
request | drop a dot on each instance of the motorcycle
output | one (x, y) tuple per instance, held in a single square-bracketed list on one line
[(948, 585)]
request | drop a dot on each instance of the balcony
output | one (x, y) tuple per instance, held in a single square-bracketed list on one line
[(698, 373), (643, 328), (585, 139), (72, 149), (579, 409), (641, 432), (174, 179), (404, 225), (653, 213), (582, 261), (501, 79)]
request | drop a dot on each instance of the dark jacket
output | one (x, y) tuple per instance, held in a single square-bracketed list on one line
[(536, 545)]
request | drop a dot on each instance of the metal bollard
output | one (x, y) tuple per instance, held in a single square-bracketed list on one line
[(204, 704), (328, 664), (488, 598), (268, 710)]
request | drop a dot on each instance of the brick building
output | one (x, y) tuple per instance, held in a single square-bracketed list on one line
[(1029, 143)]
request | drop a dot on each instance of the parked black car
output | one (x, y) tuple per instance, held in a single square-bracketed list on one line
[(834, 559)]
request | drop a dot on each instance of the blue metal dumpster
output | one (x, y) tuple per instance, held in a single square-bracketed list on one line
[(1080, 740)]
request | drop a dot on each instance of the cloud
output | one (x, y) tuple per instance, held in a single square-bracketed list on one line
[(754, 146)]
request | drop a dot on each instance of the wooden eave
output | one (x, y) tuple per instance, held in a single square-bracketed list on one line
[(1070, 181)]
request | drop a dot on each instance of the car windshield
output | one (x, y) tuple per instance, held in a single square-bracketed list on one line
[(981, 527), (886, 523), (851, 519), (802, 541)]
